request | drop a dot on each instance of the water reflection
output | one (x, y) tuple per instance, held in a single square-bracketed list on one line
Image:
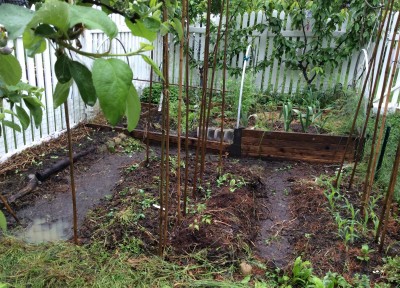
[(46, 230)]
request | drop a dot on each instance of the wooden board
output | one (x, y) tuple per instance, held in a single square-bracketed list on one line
[(156, 137), (296, 146)]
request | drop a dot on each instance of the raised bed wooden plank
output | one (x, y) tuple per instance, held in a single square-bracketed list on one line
[(305, 137), (317, 146), (298, 158), (296, 154), (156, 137)]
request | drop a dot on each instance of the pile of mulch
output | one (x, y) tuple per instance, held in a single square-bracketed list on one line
[(231, 221)]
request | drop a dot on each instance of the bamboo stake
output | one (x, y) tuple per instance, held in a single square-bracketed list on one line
[(71, 175), (204, 134), (353, 125), (223, 89), (148, 110), (384, 220), (166, 99), (164, 193), (369, 178), (187, 110), (360, 144), (203, 98), (207, 119), (178, 170)]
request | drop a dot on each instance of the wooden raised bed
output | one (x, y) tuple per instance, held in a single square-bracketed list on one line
[(293, 146), (265, 144)]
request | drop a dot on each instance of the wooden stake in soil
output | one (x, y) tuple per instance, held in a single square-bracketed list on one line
[(187, 110), (148, 109), (202, 121), (384, 220), (353, 125), (164, 193), (71, 175), (223, 89), (215, 52), (377, 138), (178, 169)]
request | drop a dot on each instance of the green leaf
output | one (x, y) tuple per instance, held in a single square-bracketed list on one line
[(61, 93), (35, 107), (132, 108), (23, 117), (53, 12), (139, 29), (153, 65), (15, 18), (92, 19), (45, 30), (246, 279), (10, 70), (12, 125), (178, 27), (83, 79), (153, 24), (112, 79), (34, 44), (62, 70), (146, 46), (3, 222)]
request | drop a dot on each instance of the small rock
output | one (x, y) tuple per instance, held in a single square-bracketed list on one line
[(245, 268), (103, 148), (117, 140), (122, 136)]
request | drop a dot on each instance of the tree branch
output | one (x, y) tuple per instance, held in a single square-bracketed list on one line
[(112, 9)]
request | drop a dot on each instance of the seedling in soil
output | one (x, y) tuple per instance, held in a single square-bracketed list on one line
[(131, 145), (124, 192), (284, 168), (132, 168), (234, 181), (195, 225), (286, 192), (365, 252), (271, 239)]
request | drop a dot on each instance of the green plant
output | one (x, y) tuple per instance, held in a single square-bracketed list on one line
[(3, 222), (131, 245), (132, 168), (361, 281), (391, 269), (333, 280), (233, 182), (309, 55), (131, 145), (287, 113), (364, 253), (301, 272), (310, 117)]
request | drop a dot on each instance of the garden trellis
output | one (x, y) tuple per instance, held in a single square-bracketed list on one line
[(274, 78)]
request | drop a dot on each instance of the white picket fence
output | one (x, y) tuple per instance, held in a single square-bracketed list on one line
[(38, 71), (276, 77)]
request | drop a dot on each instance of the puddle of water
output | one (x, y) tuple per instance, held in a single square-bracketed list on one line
[(50, 216), (44, 230)]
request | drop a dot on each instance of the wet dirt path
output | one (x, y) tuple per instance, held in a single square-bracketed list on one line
[(276, 219), (50, 217)]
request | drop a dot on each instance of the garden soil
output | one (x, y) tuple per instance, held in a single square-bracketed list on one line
[(275, 208)]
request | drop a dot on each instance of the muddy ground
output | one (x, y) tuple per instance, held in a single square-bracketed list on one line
[(275, 208)]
